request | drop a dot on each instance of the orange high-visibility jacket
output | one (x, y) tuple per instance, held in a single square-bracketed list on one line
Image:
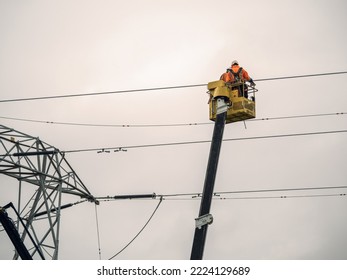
[(229, 77)]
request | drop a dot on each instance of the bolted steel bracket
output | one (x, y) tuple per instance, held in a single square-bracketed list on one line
[(203, 220), (222, 106)]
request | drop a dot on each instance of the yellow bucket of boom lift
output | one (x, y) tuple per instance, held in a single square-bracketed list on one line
[(240, 108)]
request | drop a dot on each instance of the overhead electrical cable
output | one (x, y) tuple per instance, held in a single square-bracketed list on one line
[(124, 148), (256, 191), (286, 196), (174, 197), (297, 116), (218, 194), (97, 231), (198, 194), (264, 197), (300, 76), (160, 88), (283, 190), (104, 125), (166, 125), (99, 93)]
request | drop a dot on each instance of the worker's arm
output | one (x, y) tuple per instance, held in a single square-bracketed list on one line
[(226, 77), (247, 77)]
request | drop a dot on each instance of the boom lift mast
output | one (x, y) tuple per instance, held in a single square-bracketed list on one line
[(14, 235), (226, 105)]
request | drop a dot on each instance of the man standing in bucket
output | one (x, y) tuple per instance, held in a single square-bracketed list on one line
[(236, 74)]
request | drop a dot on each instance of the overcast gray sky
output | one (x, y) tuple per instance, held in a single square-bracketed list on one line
[(70, 47)]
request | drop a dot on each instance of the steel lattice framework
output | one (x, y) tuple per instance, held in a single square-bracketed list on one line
[(30, 160)]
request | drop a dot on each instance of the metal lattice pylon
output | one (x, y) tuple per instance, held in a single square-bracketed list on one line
[(30, 160)]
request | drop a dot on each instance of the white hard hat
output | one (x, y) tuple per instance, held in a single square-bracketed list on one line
[(234, 62)]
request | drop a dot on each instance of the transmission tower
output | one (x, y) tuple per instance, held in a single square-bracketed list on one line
[(32, 161)]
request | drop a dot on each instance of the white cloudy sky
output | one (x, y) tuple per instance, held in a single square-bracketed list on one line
[(70, 47)]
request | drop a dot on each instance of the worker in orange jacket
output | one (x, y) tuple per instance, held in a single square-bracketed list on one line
[(236, 74)]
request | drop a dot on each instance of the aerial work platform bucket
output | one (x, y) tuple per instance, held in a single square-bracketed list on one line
[(240, 108)]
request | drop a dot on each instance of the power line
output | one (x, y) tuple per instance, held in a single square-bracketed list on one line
[(165, 125), (266, 197), (97, 231), (164, 197), (256, 191), (283, 190), (124, 148), (160, 88), (217, 195), (100, 93), (301, 76), (287, 196), (105, 125), (297, 116)]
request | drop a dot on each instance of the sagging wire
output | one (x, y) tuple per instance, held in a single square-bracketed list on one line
[(97, 231), (150, 218), (167, 125)]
